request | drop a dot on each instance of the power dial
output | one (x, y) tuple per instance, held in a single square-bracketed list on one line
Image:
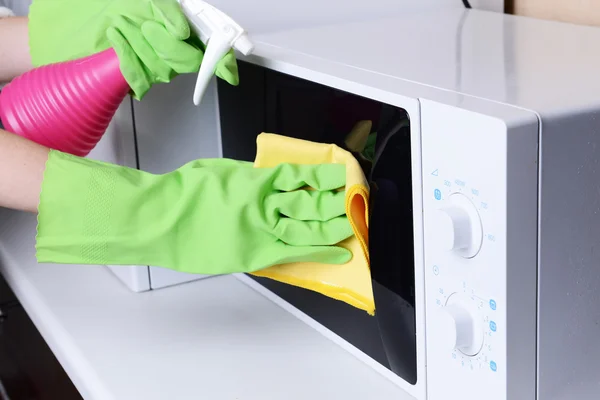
[(458, 226), (460, 326)]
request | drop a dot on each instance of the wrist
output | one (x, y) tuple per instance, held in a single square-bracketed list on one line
[(14, 46)]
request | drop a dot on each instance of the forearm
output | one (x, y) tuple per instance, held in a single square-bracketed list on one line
[(14, 48), (22, 165)]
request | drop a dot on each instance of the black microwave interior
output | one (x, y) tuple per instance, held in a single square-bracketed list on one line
[(269, 101)]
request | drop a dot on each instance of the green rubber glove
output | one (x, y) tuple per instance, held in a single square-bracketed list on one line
[(211, 216), (152, 38)]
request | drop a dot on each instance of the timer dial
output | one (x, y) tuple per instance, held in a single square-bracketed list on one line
[(460, 325), (458, 226)]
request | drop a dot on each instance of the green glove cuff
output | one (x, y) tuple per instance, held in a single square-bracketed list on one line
[(89, 213)]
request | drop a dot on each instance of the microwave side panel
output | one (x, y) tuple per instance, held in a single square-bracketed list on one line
[(171, 131), (569, 270), (117, 146)]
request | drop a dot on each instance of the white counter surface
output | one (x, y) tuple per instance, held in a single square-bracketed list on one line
[(211, 339)]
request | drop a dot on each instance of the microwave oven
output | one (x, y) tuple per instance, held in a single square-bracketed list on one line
[(485, 223)]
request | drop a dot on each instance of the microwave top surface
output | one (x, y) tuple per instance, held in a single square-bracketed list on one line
[(431, 51), (271, 16)]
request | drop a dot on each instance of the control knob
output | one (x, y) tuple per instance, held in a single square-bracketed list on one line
[(458, 226), (459, 326)]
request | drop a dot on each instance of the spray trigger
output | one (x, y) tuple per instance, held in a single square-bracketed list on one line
[(219, 33)]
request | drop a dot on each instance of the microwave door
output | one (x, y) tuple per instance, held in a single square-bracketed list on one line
[(278, 103)]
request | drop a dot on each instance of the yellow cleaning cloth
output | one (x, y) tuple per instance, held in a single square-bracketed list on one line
[(350, 282)]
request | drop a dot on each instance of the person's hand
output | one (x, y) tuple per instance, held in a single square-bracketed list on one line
[(211, 216), (152, 38)]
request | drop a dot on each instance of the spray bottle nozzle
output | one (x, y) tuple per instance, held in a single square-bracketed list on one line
[(219, 33)]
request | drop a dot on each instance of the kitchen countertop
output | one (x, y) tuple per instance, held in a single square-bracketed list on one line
[(216, 338)]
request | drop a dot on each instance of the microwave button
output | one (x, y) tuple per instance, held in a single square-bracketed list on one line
[(458, 226)]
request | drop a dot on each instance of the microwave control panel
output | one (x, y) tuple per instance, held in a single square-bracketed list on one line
[(464, 174)]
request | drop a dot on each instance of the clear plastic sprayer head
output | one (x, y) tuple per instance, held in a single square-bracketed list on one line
[(219, 33)]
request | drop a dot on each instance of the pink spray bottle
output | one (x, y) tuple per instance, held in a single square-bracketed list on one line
[(67, 106)]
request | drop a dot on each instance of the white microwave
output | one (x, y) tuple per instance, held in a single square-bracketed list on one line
[(486, 215)]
